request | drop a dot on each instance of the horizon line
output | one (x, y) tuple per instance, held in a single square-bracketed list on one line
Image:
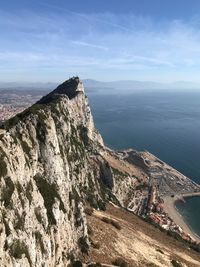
[(102, 81)]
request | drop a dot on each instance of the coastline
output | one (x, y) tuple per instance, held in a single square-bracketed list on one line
[(169, 207)]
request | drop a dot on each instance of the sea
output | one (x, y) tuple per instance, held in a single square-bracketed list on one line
[(164, 122)]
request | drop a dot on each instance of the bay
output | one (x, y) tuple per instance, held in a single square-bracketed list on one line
[(190, 210), (166, 123)]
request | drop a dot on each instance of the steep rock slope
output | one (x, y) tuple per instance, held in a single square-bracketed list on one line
[(49, 166), (53, 163)]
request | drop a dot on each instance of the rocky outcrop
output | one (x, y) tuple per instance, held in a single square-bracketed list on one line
[(49, 169), (53, 163)]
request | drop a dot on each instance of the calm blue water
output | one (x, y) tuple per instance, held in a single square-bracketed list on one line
[(165, 123), (191, 212)]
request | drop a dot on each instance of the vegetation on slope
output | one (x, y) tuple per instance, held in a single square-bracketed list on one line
[(49, 192)]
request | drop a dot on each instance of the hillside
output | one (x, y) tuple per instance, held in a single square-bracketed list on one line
[(53, 165), (135, 241)]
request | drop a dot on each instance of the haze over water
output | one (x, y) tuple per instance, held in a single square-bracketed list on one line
[(165, 123)]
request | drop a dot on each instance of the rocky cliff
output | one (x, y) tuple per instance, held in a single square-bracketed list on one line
[(53, 164)]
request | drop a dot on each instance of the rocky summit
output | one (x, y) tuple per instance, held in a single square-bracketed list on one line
[(58, 179)]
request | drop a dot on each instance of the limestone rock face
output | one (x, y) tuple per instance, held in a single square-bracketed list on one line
[(48, 171)]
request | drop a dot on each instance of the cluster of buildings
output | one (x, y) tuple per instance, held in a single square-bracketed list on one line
[(138, 202), (8, 111), (155, 212), (13, 101), (148, 203)]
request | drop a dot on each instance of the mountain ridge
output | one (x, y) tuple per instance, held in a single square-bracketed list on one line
[(118, 84), (53, 165)]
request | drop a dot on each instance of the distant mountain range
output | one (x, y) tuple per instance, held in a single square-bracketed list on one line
[(125, 85), (27, 85), (137, 85)]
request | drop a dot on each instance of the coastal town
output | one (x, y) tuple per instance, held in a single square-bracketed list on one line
[(155, 200), (151, 206), (13, 101), (8, 111)]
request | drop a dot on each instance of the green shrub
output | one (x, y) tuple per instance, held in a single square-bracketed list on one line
[(9, 123), (38, 215), (7, 192), (25, 147), (115, 224), (90, 231), (70, 257), (159, 250), (3, 165), (77, 264), (28, 192), (120, 262), (151, 264), (97, 264), (176, 264), (20, 192), (77, 215), (20, 222), (41, 132), (83, 245), (74, 198), (49, 192), (7, 228), (101, 205), (89, 211), (195, 247), (112, 222), (106, 220), (96, 245), (91, 199), (73, 195), (18, 248), (39, 241), (84, 134)]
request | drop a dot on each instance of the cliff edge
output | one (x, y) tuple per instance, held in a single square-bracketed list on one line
[(54, 164)]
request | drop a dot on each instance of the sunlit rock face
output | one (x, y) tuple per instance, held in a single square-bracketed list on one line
[(49, 169), (53, 163)]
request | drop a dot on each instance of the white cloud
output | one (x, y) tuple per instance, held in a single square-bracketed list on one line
[(80, 43), (98, 42)]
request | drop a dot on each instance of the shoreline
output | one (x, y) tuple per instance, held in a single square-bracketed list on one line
[(170, 208)]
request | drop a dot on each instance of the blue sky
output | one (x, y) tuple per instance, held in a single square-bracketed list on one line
[(104, 40)]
